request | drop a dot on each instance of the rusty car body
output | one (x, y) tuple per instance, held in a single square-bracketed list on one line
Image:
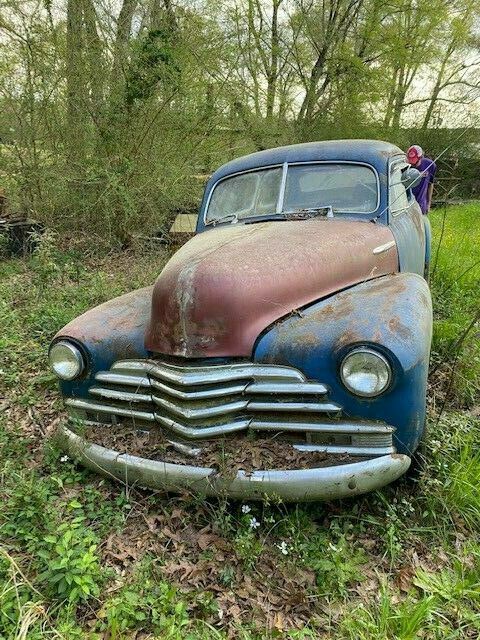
[(299, 312)]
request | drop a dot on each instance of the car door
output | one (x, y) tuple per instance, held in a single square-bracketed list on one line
[(406, 222)]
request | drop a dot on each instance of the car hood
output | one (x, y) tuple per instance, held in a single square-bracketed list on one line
[(225, 286)]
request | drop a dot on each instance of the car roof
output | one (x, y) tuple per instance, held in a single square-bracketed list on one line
[(374, 152)]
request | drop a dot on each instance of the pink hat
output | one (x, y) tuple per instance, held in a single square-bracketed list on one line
[(414, 153)]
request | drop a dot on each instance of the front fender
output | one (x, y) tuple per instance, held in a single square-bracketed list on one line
[(393, 313), (112, 331)]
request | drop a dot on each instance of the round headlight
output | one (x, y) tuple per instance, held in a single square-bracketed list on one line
[(66, 360), (365, 372)]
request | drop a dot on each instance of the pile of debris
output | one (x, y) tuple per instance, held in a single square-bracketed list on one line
[(225, 455), (19, 235)]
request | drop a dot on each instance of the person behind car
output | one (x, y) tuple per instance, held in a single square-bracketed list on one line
[(423, 190)]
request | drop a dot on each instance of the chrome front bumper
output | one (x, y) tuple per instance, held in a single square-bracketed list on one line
[(325, 483)]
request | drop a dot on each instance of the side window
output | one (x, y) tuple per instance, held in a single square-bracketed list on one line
[(397, 193)]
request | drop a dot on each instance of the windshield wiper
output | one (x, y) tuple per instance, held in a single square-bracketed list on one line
[(311, 212), (296, 214)]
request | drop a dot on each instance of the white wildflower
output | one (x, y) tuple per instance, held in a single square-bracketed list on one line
[(246, 508), (254, 523), (283, 547), (64, 459)]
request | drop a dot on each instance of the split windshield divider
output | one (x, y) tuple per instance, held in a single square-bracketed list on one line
[(281, 193)]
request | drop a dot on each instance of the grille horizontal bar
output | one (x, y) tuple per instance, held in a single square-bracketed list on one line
[(210, 374), (99, 407), (201, 401), (383, 432)]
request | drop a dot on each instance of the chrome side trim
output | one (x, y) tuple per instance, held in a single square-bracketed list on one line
[(347, 428), (347, 449), (202, 412), (326, 483), (201, 433), (122, 378), (204, 394), (384, 247)]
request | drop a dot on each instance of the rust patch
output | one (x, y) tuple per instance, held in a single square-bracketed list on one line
[(307, 340), (347, 337), (116, 319), (399, 328)]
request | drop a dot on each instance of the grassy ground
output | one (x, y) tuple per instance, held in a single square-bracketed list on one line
[(81, 557)]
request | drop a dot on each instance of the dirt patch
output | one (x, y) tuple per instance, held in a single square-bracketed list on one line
[(225, 455)]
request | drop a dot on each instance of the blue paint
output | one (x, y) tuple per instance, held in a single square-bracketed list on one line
[(392, 314)]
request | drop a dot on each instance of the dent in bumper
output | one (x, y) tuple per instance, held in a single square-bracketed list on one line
[(325, 483)]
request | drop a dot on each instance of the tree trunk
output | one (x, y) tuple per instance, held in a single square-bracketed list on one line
[(438, 85), (120, 54), (76, 89), (272, 75), (96, 63)]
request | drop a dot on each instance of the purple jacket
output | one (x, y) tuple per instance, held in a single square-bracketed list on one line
[(427, 168)]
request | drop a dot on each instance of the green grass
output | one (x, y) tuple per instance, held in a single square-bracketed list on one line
[(84, 558), (455, 276)]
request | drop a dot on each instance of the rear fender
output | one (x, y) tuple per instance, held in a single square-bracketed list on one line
[(428, 243)]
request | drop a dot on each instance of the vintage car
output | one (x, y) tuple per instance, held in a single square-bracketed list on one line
[(299, 314)]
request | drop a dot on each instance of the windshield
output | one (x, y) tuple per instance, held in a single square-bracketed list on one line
[(347, 188)]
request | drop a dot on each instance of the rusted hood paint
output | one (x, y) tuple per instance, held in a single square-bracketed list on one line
[(225, 286)]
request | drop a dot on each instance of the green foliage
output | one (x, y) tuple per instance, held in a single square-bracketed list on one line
[(154, 605), (387, 620), (147, 602), (153, 62), (72, 568), (247, 546), (330, 553), (451, 488), (109, 117)]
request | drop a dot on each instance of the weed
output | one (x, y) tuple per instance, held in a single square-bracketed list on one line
[(149, 603), (71, 568), (387, 620), (456, 274), (247, 546)]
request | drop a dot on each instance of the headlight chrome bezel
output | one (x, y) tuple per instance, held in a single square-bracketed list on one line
[(77, 358), (378, 355)]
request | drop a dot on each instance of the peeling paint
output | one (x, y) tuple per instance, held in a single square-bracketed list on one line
[(225, 286)]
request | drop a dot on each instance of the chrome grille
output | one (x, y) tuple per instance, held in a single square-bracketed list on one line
[(197, 402)]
